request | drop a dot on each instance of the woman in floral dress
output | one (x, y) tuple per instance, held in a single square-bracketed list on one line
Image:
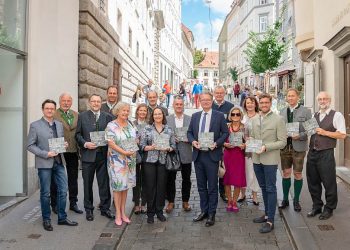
[(121, 163)]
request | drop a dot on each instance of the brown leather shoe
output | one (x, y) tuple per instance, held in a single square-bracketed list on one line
[(187, 207), (169, 208)]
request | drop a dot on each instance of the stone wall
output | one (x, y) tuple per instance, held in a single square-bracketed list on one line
[(99, 47)]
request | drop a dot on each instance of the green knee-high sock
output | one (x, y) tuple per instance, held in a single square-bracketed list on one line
[(286, 183), (298, 185)]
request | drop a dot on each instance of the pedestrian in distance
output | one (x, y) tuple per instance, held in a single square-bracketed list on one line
[(294, 153), (49, 163), (167, 92), (154, 163), (195, 93), (69, 120), (121, 162), (320, 165), (237, 90), (234, 160)]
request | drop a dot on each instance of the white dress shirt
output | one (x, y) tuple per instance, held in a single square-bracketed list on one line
[(338, 120), (207, 121), (179, 122)]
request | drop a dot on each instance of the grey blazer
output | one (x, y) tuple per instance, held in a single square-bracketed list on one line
[(300, 115), (38, 142), (184, 148)]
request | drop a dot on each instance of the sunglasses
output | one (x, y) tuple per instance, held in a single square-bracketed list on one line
[(236, 114)]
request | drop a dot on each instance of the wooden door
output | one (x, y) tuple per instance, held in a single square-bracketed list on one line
[(347, 109), (116, 77)]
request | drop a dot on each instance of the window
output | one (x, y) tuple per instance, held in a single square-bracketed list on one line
[(137, 49), (263, 2), (215, 73), (262, 23), (206, 73), (130, 38), (143, 58), (102, 5), (119, 23)]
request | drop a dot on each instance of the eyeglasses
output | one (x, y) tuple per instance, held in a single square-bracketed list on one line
[(236, 114)]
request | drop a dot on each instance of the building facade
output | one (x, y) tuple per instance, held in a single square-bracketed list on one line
[(187, 52), (36, 62), (323, 41), (208, 69)]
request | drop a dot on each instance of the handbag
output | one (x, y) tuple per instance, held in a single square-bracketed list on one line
[(222, 169), (173, 162)]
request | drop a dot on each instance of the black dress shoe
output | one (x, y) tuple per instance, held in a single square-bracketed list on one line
[(161, 217), (224, 198), (325, 215), (210, 221), (256, 203), (67, 222), (261, 219), (54, 209), (266, 228), (76, 209), (241, 199), (108, 214), (200, 217), (47, 226), (284, 204), (150, 220), (89, 215), (314, 212), (296, 205)]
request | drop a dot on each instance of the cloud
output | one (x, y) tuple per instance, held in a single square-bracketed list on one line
[(202, 32), (220, 6)]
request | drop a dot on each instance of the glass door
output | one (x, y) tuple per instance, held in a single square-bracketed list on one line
[(11, 123)]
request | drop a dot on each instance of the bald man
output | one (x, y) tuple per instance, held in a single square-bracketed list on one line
[(320, 166), (69, 119)]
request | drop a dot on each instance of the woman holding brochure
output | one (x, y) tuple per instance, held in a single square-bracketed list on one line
[(234, 158), (156, 140), (121, 134)]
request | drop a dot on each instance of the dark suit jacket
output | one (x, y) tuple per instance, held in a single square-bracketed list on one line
[(87, 124), (105, 108), (218, 125)]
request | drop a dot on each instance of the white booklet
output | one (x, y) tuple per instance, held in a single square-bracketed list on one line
[(57, 145), (236, 139), (311, 126), (162, 141), (181, 133), (206, 140), (253, 146), (99, 138), (292, 129)]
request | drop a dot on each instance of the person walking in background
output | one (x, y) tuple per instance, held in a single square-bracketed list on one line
[(320, 165), (69, 120), (94, 159), (207, 163), (251, 108), (139, 191), (237, 90), (229, 93), (49, 163), (167, 92), (179, 120), (112, 99), (121, 163), (244, 95), (154, 162), (294, 153), (195, 93), (271, 130), (234, 160)]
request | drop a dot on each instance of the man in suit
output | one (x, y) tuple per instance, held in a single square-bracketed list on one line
[(94, 159), (112, 99), (294, 153), (207, 163), (320, 165), (271, 130), (152, 98), (225, 107), (180, 120), (69, 119), (49, 163)]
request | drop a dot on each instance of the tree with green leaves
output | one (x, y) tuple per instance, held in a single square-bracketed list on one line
[(198, 57), (195, 73), (234, 73), (264, 52)]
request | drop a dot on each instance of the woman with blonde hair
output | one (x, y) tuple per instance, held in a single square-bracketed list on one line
[(234, 159)]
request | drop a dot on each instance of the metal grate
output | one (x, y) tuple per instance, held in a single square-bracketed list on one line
[(106, 235), (34, 236), (325, 227)]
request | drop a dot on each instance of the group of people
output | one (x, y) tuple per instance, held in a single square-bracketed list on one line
[(145, 170)]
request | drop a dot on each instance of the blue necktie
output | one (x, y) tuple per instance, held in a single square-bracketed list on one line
[(204, 120)]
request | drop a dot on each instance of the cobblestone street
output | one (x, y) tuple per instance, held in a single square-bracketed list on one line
[(231, 231)]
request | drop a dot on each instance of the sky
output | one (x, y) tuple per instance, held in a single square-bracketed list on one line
[(195, 15)]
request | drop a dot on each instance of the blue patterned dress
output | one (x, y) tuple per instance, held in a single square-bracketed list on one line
[(122, 169)]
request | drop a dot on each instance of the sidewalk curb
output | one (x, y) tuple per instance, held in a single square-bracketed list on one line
[(343, 173), (8, 206)]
